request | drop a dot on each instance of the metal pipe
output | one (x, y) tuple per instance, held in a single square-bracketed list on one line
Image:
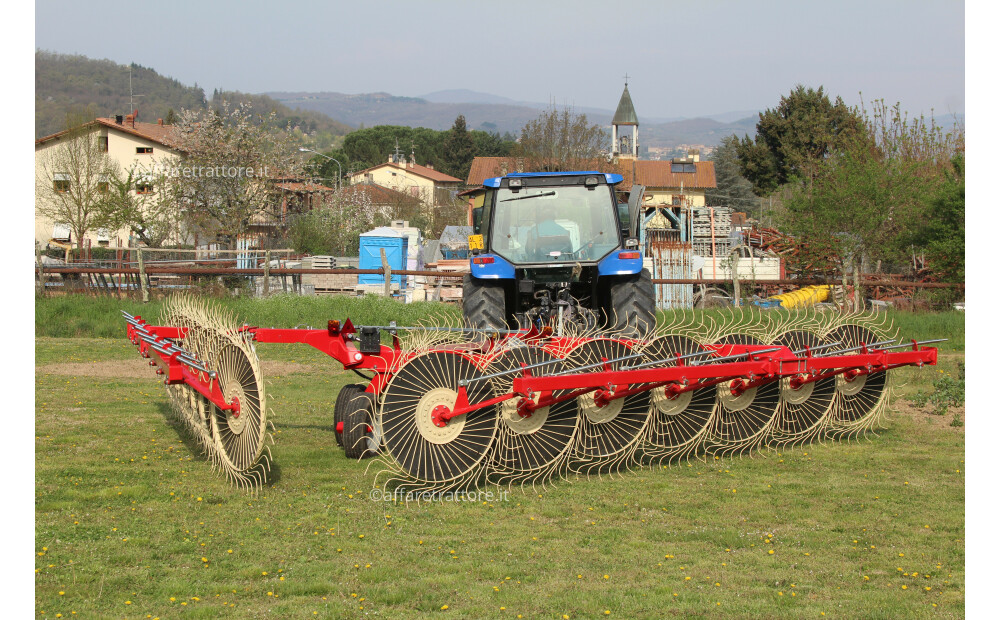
[(910, 344), (857, 348), (504, 373), (671, 359), (822, 346), (736, 356)]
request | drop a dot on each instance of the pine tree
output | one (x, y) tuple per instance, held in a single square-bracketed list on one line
[(459, 150)]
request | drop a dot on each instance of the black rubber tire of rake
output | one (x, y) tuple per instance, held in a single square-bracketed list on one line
[(484, 304), (344, 397), (358, 420), (633, 305)]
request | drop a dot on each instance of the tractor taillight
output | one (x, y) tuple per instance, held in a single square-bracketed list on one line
[(483, 260), (629, 255)]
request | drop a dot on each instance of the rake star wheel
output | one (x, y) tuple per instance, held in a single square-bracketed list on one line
[(745, 415), (535, 446), (804, 411), (859, 398), (609, 432), (423, 450), (239, 434), (676, 425)]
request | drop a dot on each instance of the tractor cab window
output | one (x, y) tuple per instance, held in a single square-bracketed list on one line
[(554, 224)]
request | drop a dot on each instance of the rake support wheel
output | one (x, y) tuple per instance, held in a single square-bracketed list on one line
[(344, 397), (360, 438)]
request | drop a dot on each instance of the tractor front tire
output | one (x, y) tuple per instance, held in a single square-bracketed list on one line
[(633, 305), (483, 304)]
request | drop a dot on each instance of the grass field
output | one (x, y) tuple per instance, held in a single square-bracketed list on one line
[(131, 521)]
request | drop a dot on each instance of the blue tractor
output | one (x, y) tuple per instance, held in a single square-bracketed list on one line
[(558, 248)]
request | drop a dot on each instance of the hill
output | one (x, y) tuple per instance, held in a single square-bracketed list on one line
[(70, 89), (370, 109), (498, 114)]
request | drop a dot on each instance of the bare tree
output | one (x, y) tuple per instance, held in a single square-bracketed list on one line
[(560, 140), (145, 204), (71, 182), (233, 157)]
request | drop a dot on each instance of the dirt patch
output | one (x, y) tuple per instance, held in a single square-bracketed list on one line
[(279, 369), (139, 369), (125, 369), (924, 415)]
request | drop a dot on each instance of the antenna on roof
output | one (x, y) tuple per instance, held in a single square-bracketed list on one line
[(396, 154), (131, 104)]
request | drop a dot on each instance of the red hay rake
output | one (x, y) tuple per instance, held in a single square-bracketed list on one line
[(449, 408)]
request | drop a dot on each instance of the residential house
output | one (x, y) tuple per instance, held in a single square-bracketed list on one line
[(128, 143), (424, 182)]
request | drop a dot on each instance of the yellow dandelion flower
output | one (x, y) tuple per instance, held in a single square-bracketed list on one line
[(443, 607)]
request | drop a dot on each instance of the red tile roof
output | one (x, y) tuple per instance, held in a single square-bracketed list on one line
[(161, 134), (648, 173), (295, 186), (417, 169)]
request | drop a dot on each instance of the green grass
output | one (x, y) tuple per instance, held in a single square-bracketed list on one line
[(100, 317), (126, 510)]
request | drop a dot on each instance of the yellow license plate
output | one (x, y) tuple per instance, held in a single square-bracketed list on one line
[(475, 242)]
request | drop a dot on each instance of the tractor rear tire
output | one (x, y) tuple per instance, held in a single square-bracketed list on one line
[(483, 304), (359, 437), (344, 398), (633, 305)]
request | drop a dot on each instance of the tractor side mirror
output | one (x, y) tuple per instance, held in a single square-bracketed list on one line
[(477, 220), (634, 205)]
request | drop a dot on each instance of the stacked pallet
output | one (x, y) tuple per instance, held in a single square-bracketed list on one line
[(708, 225), (328, 283)]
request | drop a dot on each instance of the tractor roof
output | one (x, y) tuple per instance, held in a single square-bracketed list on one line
[(611, 179)]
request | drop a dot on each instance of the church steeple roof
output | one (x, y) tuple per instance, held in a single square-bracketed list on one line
[(625, 114)]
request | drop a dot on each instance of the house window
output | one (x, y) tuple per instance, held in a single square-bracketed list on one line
[(60, 182), (143, 150), (144, 186), (103, 185), (102, 143)]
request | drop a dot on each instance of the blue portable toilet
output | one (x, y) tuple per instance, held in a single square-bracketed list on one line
[(371, 244)]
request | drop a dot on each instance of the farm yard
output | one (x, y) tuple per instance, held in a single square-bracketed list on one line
[(132, 522)]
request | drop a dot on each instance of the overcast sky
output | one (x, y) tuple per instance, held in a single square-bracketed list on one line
[(697, 57)]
